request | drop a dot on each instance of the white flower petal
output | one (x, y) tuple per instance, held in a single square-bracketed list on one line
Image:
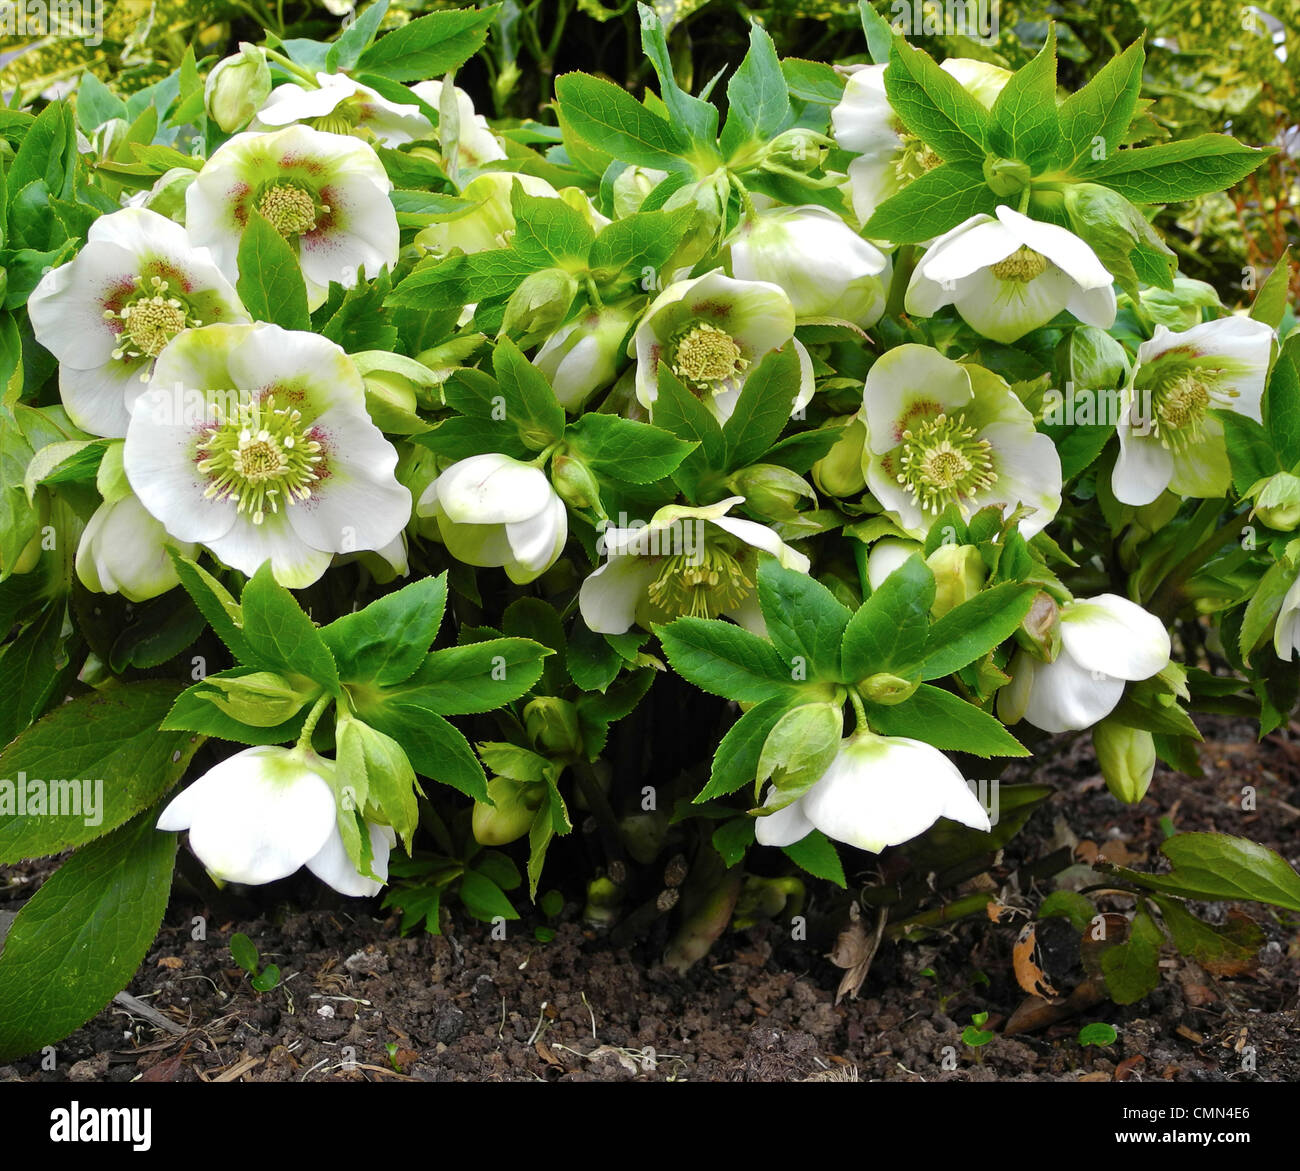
[(1115, 636), (1066, 697), (493, 489), (608, 599)]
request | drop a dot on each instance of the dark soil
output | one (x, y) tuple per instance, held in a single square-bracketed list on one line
[(360, 1002)]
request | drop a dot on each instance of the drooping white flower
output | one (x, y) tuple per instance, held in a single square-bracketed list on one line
[(584, 356), (712, 331), (108, 313), (889, 156), (1010, 274), (267, 811), (1168, 437), (258, 815), (476, 145), (124, 550), (1105, 641), (942, 433), (826, 269), (342, 106), (493, 510), (254, 441), (878, 791), (686, 561), (326, 194), (886, 555)]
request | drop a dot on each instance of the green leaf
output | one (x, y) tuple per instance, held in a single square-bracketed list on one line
[(1175, 171), (621, 449), (1228, 950), (476, 677), (48, 153), (387, 641), (379, 771), (483, 899), (974, 628), (933, 203), (946, 721), (96, 103), (429, 46), (1271, 299), (1132, 968), (81, 937), (732, 838), (888, 632), (548, 232), (804, 621), (679, 411), (30, 668), (697, 116), (1219, 866), (109, 743), (627, 248), (612, 120), (244, 953), (735, 763), (800, 748), (356, 38), (530, 402), (1098, 1033), (818, 856), (880, 37), (1282, 411), (270, 282), (934, 106), (435, 749), (1025, 124), (215, 603), (758, 102), (1265, 604), (281, 637), (725, 660), (1250, 454), (763, 408), (1100, 113), (194, 711)]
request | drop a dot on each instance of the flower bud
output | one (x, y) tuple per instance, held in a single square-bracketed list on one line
[(632, 186), (771, 492), (552, 725), (584, 356), (1006, 176), (887, 690), (798, 150), (839, 472), (1040, 632), (538, 306), (509, 817), (1127, 757), (237, 87), (262, 699), (959, 574), (603, 899), (573, 480), (1277, 501), (124, 549), (396, 387), (167, 195)]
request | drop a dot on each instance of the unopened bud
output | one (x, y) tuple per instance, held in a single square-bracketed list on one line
[(511, 814), (959, 574), (1127, 757), (575, 483), (538, 306), (1040, 632), (1277, 502), (552, 725), (887, 690), (771, 492), (839, 472), (237, 87)]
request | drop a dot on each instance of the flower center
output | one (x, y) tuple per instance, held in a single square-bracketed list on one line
[(916, 157), (1179, 406), (706, 356), (288, 208), (149, 320), (943, 460), (263, 455), (703, 583), (342, 119), (1023, 265)]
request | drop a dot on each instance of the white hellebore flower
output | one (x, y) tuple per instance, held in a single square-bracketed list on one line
[(475, 142), (941, 433), (1105, 641), (326, 194), (890, 157), (265, 812), (124, 550), (1286, 634), (878, 791), (1167, 436), (585, 355), (493, 510), (254, 441), (826, 269), (108, 313), (343, 106), (712, 331), (686, 561), (1009, 275)]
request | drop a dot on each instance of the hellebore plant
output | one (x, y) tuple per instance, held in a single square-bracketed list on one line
[(617, 456)]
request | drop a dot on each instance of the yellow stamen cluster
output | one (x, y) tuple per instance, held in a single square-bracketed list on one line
[(150, 319), (1023, 265), (702, 584), (288, 208), (1180, 407), (260, 458), (942, 461), (706, 356)]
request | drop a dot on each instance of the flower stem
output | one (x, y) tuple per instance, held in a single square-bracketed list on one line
[(313, 718), (293, 67), (859, 712)]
